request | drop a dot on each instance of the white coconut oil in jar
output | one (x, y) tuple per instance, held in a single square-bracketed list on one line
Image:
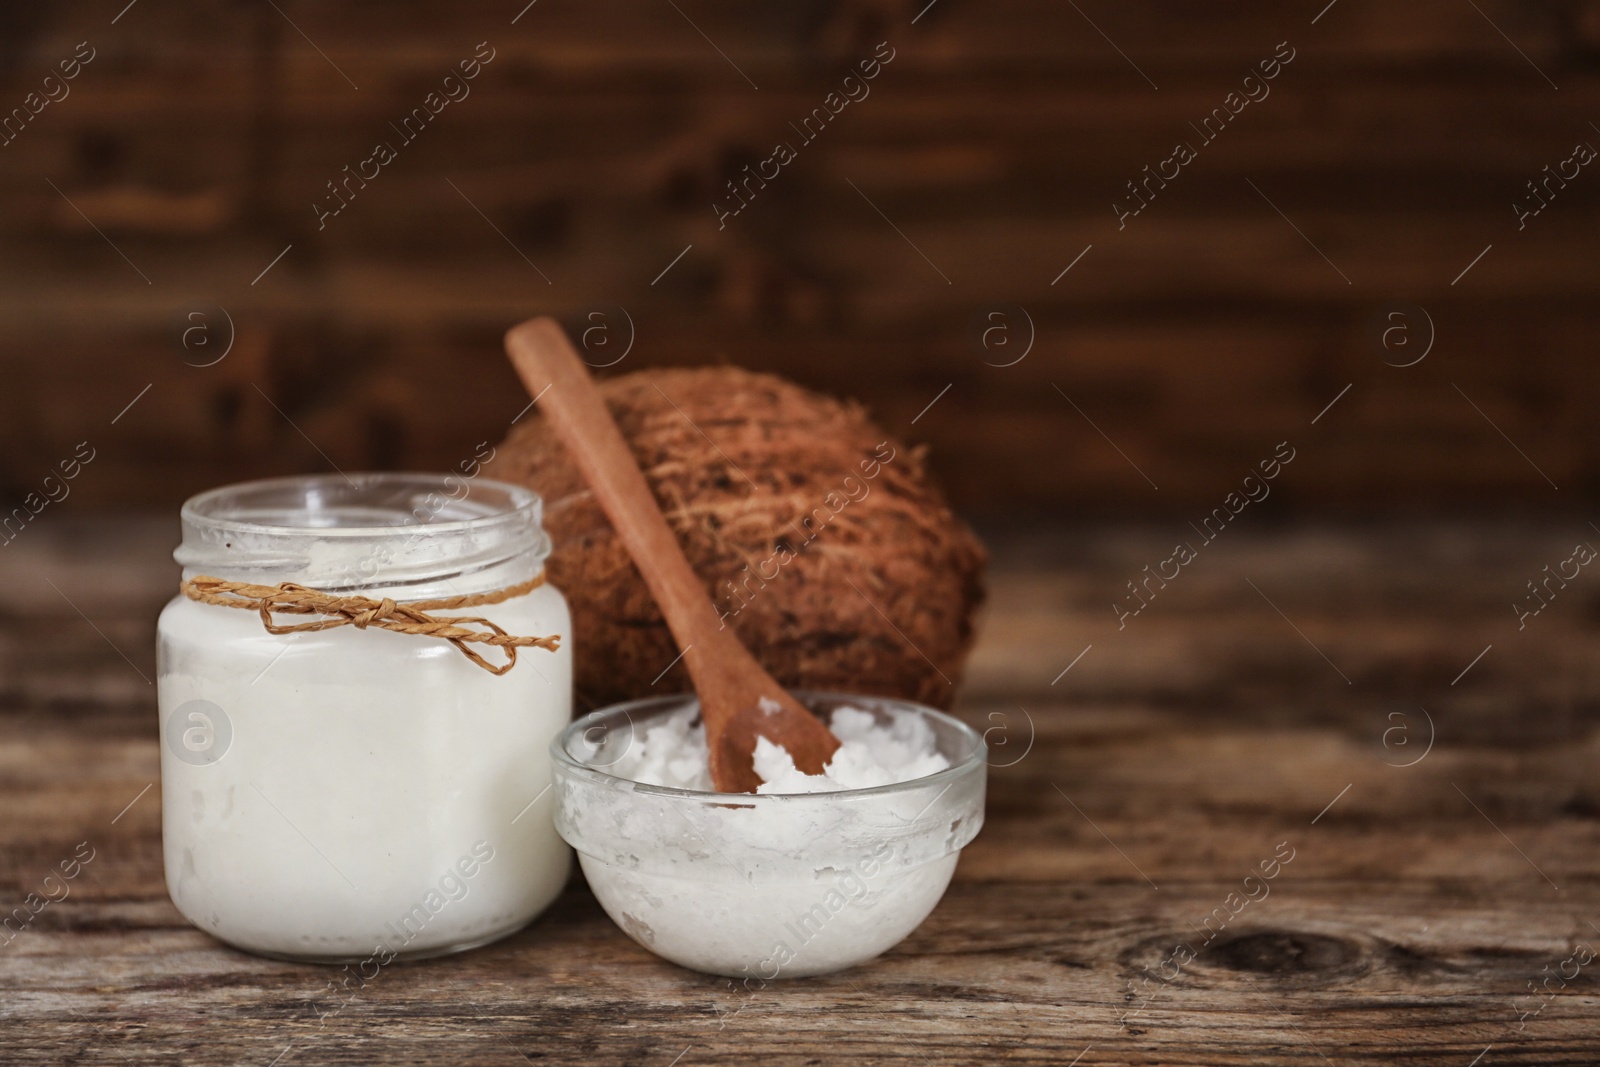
[(354, 793)]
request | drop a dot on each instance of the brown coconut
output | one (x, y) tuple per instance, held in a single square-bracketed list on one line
[(823, 540)]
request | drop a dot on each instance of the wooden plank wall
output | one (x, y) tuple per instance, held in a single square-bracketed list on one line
[(592, 147)]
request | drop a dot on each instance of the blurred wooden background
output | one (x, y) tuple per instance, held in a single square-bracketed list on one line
[(596, 141)]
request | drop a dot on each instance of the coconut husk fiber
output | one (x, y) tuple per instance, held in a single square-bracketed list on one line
[(823, 541)]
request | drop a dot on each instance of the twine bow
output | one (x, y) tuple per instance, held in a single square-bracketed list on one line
[(386, 614)]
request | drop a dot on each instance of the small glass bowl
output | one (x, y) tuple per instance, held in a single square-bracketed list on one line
[(765, 886)]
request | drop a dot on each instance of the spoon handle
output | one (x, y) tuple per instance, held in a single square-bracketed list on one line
[(557, 379)]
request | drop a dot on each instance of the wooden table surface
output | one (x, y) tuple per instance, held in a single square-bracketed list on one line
[(1357, 698)]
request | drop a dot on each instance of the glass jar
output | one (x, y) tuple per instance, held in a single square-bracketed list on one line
[(766, 886), (353, 793)]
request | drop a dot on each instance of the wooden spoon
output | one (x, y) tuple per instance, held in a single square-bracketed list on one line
[(739, 700)]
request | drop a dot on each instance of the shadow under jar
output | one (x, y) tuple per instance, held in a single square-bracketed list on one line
[(356, 793)]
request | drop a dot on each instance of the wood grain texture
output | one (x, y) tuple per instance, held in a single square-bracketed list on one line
[(1128, 798), (590, 152)]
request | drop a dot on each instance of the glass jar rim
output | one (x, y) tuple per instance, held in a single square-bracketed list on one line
[(408, 527), (975, 758), (200, 508)]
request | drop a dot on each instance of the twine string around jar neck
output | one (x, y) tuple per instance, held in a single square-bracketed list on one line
[(288, 598)]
